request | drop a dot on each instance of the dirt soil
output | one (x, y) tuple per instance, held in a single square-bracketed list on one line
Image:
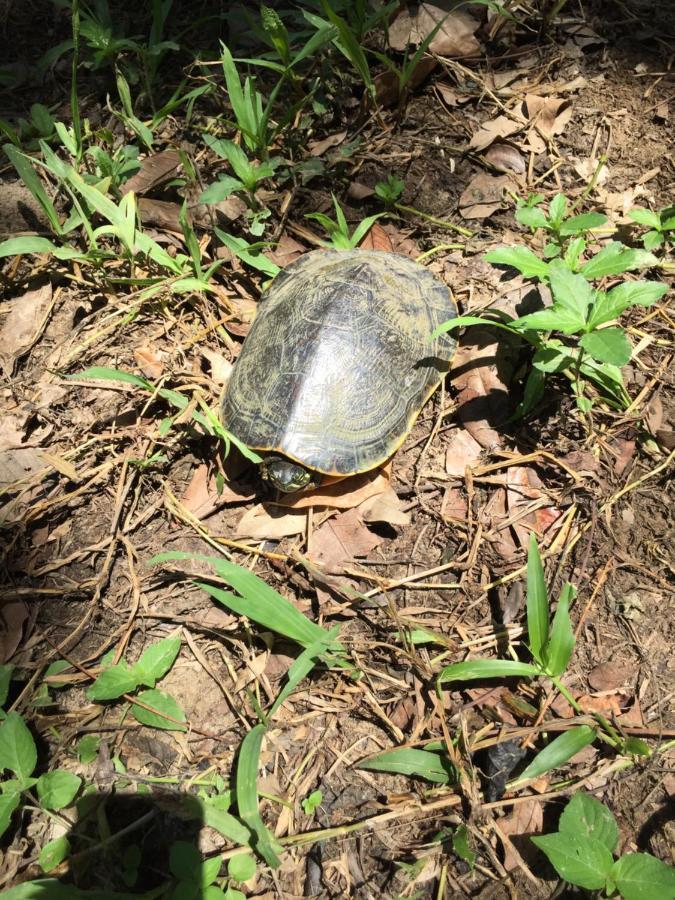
[(93, 488)]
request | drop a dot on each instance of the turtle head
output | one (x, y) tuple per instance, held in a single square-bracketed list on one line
[(288, 476)]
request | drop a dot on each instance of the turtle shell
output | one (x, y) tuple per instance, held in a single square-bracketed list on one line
[(338, 362)]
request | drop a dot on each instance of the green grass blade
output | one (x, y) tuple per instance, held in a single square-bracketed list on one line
[(303, 665), (561, 642), (31, 179), (557, 753), (537, 602), (435, 767), (247, 796), (472, 669), (105, 374)]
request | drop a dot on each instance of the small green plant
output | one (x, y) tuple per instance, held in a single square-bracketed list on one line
[(661, 226), (252, 115), (582, 853), (338, 229), (574, 335), (27, 132), (311, 803), (391, 190)]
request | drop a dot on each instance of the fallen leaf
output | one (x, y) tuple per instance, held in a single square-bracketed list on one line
[(153, 171), (149, 361), (448, 94), (162, 214), (547, 116), (385, 507), (587, 169), (388, 87), (12, 619), (201, 497), (25, 318), (625, 450), (493, 517), (18, 464), (318, 148), (462, 451), (359, 191), (243, 313), (608, 704), (525, 820), (339, 540), (482, 395), (608, 676), (491, 131), (507, 157), (343, 493), (377, 239), (633, 715), (522, 487), (263, 522), (483, 195), (453, 506), (454, 38), (221, 368), (286, 251), (61, 465)]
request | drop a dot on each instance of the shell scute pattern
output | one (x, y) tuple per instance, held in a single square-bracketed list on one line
[(338, 361)]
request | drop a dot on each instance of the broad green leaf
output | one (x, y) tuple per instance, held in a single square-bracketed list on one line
[(17, 747), (207, 811), (584, 222), (641, 876), (638, 293), (241, 867), (185, 862), (519, 258), (87, 748), (53, 853), (560, 645), (163, 703), (608, 345), (558, 752), (247, 253), (554, 357), (532, 394), (230, 894), (156, 661), (113, 682), (573, 253), (5, 679), (363, 228), (550, 319), (557, 209), (31, 244), (210, 869), (466, 321), (434, 767), (103, 373), (221, 189), (532, 217), (471, 669), (615, 258), (571, 294), (652, 240), (256, 600), (233, 153), (537, 602), (51, 889), (8, 803), (578, 859), (587, 817), (461, 846), (645, 217), (57, 789), (636, 747), (247, 797)]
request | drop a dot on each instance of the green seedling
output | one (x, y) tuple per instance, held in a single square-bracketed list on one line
[(346, 41), (575, 335), (338, 228), (558, 225), (252, 115), (391, 190), (582, 852), (661, 226), (26, 133), (194, 876), (311, 803)]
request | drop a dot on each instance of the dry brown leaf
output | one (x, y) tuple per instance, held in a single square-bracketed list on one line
[(377, 239), (359, 191), (12, 619), (221, 368), (154, 170), (482, 395), (342, 493), (318, 148), (462, 450), (625, 450), (524, 486), (633, 715), (454, 507), (483, 195), (388, 87), (607, 704), (149, 361), (385, 507), (454, 38), (525, 819), (400, 241), (244, 312), (507, 157), (286, 251), (20, 211), (163, 214), (66, 468), (339, 540), (201, 497), (25, 318), (264, 522), (547, 116), (493, 515), (608, 676), (491, 131)]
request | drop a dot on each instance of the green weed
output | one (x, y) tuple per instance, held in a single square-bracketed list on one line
[(338, 228), (661, 226)]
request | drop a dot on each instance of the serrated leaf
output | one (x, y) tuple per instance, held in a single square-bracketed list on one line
[(114, 682), (57, 789), (641, 876), (53, 853), (472, 669), (558, 752), (550, 319), (163, 703), (571, 293), (156, 661), (537, 602), (584, 222), (615, 258), (561, 642), (17, 747), (638, 293), (652, 240), (519, 258), (8, 803), (645, 217), (608, 345), (580, 860), (587, 817), (435, 767), (532, 217)]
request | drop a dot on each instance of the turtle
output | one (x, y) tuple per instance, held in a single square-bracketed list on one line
[(338, 364)]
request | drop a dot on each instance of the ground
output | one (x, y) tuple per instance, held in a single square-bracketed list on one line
[(94, 484)]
